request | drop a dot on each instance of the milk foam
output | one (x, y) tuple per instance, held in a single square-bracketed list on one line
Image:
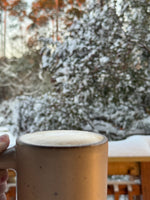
[(61, 138)]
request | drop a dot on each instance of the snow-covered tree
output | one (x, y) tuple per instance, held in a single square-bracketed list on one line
[(96, 70)]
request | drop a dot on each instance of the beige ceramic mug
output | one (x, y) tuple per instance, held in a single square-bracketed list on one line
[(59, 165)]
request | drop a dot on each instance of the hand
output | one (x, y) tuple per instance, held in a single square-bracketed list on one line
[(4, 143)]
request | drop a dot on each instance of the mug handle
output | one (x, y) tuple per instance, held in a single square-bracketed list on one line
[(8, 159)]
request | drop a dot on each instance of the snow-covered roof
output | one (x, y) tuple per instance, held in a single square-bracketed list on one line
[(133, 146)]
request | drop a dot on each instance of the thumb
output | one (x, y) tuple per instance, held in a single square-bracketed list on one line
[(4, 142)]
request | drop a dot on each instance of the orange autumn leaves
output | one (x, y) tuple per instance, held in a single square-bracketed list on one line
[(14, 8), (40, 10)]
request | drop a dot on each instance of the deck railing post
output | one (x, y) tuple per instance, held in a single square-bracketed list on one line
[(145, 180)]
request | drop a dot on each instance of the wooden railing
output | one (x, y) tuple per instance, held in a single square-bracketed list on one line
[(133, 186), (130, 157), (11, 186)]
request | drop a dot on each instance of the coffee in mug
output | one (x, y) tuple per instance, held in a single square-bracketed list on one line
[(61, 138)]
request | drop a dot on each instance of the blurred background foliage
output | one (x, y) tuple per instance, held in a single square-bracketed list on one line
[(22, 23), (75, 65)]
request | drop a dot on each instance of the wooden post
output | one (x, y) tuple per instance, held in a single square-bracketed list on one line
[(116, 195), (145, 180), (11, 194)]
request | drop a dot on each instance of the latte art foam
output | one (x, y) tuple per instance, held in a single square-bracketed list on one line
[(61, 138)]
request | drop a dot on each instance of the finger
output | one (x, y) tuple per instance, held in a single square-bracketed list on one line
[(4, 142), (3, 196), (3, 176), (3, 188)]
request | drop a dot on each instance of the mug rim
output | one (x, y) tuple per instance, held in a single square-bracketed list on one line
[(101, 142)]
